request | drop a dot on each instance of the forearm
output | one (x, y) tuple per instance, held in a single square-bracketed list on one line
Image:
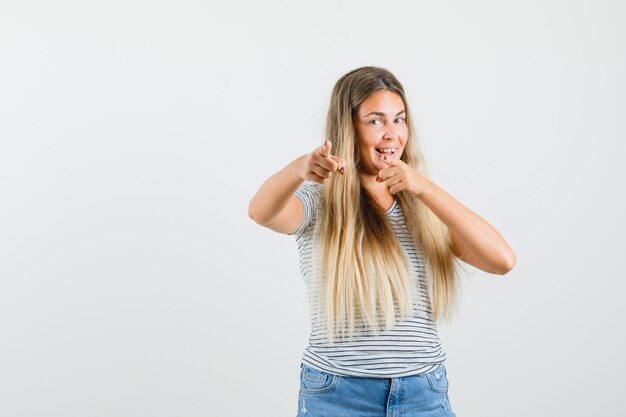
[(475, 234), (275, 192)]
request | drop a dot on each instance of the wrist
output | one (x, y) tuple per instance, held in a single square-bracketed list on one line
[(296, 168), (426, 188)]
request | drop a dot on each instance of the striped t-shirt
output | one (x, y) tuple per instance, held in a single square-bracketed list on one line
[(411, 347)]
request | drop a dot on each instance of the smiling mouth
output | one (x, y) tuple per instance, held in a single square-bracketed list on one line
[(386, 151)]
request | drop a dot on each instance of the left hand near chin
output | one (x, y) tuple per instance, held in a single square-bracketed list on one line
[(398, 176)]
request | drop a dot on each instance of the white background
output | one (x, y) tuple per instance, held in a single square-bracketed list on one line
[(133, 135)]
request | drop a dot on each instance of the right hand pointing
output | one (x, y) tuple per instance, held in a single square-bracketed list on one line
[(320, 165)]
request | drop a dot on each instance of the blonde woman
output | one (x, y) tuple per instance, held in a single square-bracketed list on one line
[(379, 244)]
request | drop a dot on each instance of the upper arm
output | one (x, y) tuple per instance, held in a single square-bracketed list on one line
[(299, 212), (289, 219)]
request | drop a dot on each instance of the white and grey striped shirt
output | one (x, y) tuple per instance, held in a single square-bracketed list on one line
[(411, 347)]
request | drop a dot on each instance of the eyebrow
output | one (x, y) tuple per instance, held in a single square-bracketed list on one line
[(381, 114)]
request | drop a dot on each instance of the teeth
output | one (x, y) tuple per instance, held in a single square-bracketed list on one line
[(387, 150)]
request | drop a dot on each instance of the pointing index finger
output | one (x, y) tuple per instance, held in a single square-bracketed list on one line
[(391, 162), (326, 148)]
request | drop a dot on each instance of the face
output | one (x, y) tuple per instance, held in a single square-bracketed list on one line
[(380, 129)]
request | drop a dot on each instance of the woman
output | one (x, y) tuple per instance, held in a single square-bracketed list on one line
[(379, 244)]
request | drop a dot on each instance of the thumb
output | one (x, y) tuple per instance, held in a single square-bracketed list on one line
[(341, 163)]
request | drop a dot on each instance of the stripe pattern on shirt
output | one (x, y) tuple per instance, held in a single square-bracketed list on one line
[(412, 347)]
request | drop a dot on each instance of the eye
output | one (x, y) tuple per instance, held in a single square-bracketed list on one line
[(375, 120), (401, 119)]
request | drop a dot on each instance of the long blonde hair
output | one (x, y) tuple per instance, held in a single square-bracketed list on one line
[(367, 283)]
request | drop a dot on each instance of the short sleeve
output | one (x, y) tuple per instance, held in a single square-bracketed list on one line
[(309, 194)]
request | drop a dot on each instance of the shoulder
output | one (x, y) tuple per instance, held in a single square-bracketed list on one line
[(309, 191), (309, 194)]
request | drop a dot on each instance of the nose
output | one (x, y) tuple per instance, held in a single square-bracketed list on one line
[(390, 133)]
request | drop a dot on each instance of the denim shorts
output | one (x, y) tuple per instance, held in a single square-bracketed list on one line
[(323, 394)]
